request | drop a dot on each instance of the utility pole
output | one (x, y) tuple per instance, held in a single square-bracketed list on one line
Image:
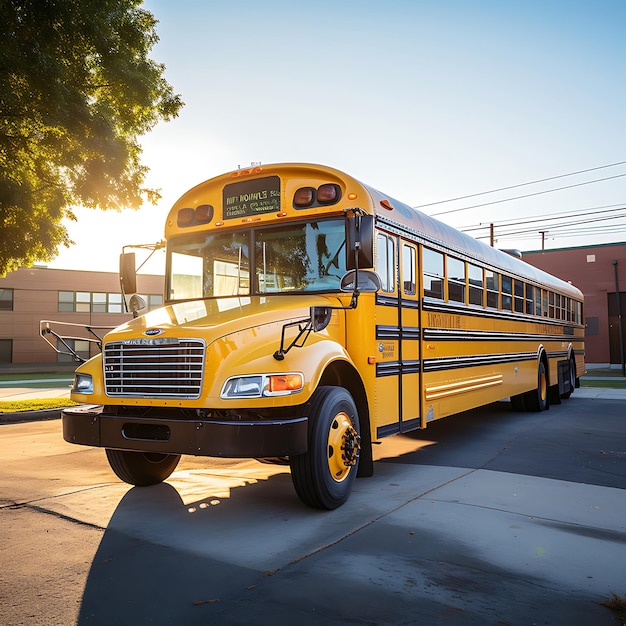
[(491, 237), (619, 320), (543, 238)]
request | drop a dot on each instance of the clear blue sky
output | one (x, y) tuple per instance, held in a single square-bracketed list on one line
[(424, 100)]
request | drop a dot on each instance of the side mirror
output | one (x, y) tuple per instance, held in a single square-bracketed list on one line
[(360, 240), (368, 281), (128, 275), (136, 304)]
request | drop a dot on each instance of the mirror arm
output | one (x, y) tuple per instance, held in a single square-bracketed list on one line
[(304, 330)]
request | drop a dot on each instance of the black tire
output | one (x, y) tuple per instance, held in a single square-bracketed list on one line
[(572, 379), (324, 475), (538, 399), (142, 468)]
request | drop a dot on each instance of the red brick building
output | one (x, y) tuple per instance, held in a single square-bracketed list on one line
[(39, 293), (599, 272)]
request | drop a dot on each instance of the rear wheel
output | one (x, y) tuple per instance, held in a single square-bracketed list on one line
[(142, 468), (323, 476), (538, 399), (572, 379)]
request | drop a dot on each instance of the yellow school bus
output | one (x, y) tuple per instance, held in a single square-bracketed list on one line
[(308, 316)]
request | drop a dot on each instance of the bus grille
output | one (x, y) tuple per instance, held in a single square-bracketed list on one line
[(154, 368)]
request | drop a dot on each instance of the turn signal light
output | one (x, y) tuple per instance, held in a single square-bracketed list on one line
[(285, 382)]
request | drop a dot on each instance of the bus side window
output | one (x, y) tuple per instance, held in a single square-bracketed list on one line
[(408, 269), (507, 293), (551, 305), (385, 262), (530, 299), (538, 301), (456, 280), (518, 290), (432, 271), (492, 280), (476, 284)]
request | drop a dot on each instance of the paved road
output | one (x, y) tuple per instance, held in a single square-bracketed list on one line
[(490, 517)]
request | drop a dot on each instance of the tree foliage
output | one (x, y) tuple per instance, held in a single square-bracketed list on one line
[(77, 90)]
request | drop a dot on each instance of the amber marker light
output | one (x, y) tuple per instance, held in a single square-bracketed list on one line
[(352, 196), (386, 205), (285, 382)]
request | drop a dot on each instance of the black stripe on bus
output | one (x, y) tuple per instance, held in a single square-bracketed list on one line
[(445, 334), (397, 427), (384, 300), (397, 332), (476, 311), (446, 363), (395, 368), (388, 368), (386, 431)]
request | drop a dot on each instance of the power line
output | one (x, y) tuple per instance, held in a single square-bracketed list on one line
[(528, 195), (555, 216), (561, 230), (532, 182), (561, 225)]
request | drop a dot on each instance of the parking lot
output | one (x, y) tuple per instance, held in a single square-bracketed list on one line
[(489, 517)]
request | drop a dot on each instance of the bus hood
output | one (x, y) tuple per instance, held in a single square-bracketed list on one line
[(214, 318)]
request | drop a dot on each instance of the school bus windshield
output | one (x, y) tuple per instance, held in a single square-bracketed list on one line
[(290, 258)]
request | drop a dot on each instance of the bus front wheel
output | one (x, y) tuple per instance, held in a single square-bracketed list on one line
[(323, 476), (142, 468)]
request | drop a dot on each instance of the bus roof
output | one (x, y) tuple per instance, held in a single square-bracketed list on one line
[(453, 240), (392, 212)]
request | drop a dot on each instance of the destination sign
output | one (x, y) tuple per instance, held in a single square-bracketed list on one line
[(251, 197)]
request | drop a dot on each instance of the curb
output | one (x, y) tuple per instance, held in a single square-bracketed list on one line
[(30, 416)]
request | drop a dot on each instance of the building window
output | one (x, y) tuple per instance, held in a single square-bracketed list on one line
[(114, 303), (6, 350), (80, 346), (154, 301), (99, 302), (6, 299)]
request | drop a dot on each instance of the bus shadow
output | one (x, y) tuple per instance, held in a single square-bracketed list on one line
[(169, 556)]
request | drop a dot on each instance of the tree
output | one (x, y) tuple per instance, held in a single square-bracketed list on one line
[(77, 90)]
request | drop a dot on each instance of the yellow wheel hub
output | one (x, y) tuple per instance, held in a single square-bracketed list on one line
[(343, 447)]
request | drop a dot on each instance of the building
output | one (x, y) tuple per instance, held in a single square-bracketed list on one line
[(93, 298), (600, 273), (69, 296)]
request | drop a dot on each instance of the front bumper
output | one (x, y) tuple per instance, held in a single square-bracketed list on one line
[(90, 426)]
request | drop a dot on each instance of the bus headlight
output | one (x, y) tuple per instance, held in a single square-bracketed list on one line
[(83, 383), (262, 385)]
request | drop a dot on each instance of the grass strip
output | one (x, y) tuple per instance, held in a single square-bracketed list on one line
[(41, 404)]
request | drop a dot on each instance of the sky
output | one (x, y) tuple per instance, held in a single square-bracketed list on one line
[(425, 100)]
